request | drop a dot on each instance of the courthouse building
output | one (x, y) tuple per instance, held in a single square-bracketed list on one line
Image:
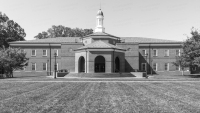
[(100, 52)]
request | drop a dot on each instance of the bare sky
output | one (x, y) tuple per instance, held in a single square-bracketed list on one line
[(163, 19)]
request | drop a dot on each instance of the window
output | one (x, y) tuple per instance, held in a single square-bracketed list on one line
[(178, 52), (166, 66), (33, 53), (143, 66), (33, 66), (166, 52), (155, 66), (155, 52), (56, 51), (44, 53), (144, 52), (178, 68), (22, 50), (44, 66)]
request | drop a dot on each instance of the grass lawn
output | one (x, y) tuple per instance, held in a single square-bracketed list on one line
[(99, 97)]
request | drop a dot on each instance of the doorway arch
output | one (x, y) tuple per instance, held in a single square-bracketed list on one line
[(117, 64), (99, 64), (81, 64)]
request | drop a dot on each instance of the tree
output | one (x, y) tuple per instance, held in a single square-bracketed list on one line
[(12, 59), (191, 49), (181, 61), (9, 31), (62, 31)]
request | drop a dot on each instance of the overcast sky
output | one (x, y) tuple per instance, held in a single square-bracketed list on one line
[(163, 19)]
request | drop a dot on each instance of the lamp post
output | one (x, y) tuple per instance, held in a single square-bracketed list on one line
[(55, 68), (146, 55), (47, 67)]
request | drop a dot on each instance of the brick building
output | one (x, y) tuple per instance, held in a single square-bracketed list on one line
[(100, 52)]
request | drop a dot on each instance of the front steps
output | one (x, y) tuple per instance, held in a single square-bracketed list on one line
[(99, 75)]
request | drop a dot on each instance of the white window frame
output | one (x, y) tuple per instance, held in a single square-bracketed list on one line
[(145, 67), (32, 52), (156, 66), (167, 52), (167, 67), (56, 50), (145, 52), (179, 68), (156, 52), (45, 66), (179, 52), (34, 67), (43, 52)]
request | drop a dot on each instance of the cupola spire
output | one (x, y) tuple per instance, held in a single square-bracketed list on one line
[(99, 22)]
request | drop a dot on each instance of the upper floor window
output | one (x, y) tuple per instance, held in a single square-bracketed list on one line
[(44, 53), (155, 52), (56, 51), (56, 66), (33, 52), (166, 52), (178, 52), (33, 66), (144, 52)]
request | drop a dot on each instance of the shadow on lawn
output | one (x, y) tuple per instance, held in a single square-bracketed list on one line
[(192, 76)]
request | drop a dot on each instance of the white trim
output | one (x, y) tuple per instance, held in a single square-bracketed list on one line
[(45, 66), (43, 52), (179, 52), (167, 54), (32, 66), (167, 67), (156, 66), (32, 52), (56, 50), (156, 52), (145, 52)]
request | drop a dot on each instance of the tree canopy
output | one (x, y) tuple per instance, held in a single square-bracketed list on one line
[(10, 31), (12, 59), (191, 49), (190, 57), (62, 31)]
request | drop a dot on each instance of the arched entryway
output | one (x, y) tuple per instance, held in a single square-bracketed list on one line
[(81, 64), (99, 64), (117, 64)]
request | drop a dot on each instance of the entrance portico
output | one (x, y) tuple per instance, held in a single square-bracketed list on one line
[(100, 57)]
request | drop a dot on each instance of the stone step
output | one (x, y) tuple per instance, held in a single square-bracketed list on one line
[(99, 75)]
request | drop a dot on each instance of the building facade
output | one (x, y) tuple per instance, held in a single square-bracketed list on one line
[(100, 52)]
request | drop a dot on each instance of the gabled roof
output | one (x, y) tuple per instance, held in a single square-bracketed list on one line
[(52, 40), (100, 45), (100, 34), (147, 40)]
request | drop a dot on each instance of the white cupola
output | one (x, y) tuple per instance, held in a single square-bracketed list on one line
[(99, 22)]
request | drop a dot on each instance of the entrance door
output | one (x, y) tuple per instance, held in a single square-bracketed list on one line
[(117, 65), (81, 64), (99, 64)]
